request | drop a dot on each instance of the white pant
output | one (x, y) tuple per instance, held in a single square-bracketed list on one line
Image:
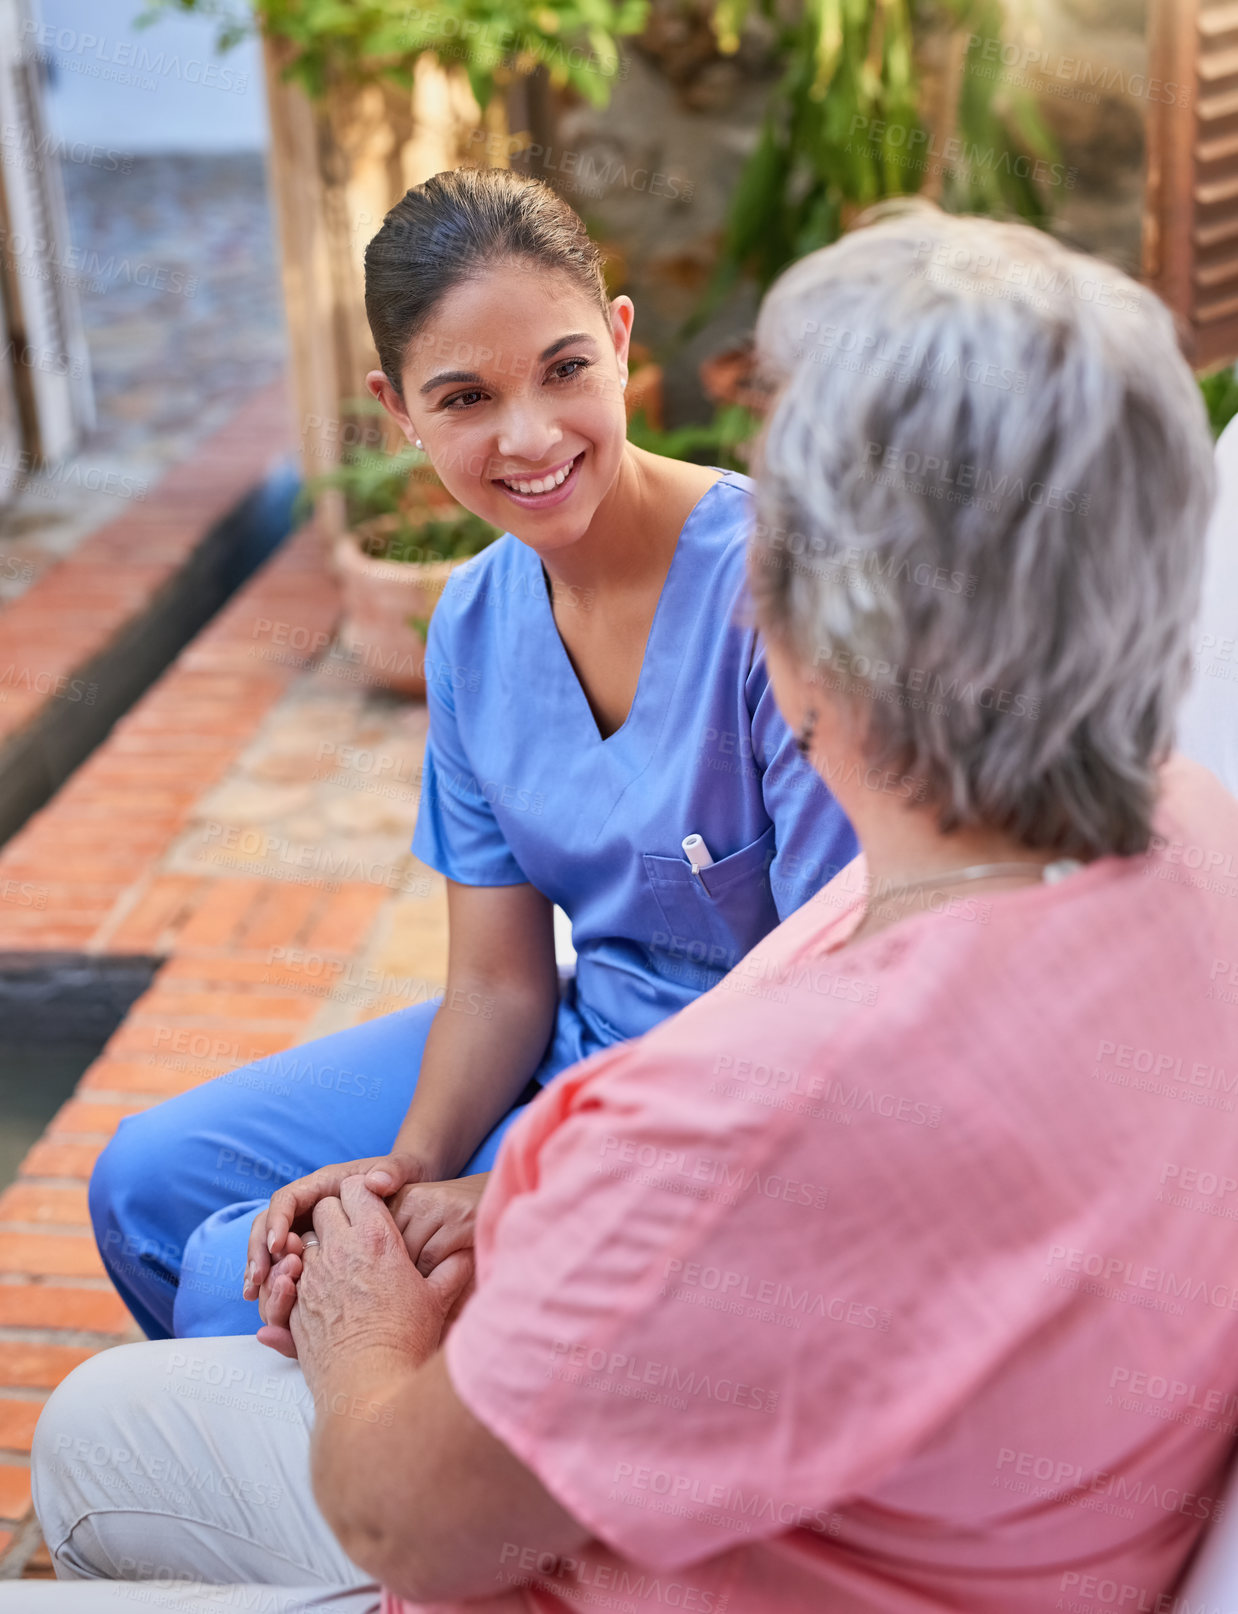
[(184, 1461)]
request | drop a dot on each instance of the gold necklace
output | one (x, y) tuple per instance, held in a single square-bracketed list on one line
[(1050, 873)]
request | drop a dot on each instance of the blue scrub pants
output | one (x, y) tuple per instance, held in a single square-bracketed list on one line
[(174, 1194)]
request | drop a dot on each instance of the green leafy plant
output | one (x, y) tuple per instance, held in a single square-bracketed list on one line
[(440, 538), (373, 482), (495, 40), (394, 503), (714, 442), (844, 129), (1220, 390)]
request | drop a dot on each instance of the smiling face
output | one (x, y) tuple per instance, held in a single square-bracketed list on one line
[(515, 380)]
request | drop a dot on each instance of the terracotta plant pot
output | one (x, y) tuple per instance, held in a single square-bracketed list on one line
[(731, 377), (380, 596), (644, 391)]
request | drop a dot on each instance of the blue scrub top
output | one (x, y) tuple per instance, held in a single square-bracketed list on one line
[(518, 784)]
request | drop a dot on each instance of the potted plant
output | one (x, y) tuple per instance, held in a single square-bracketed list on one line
[(878, 98), (730, 378), (644, 389), (404, 536)]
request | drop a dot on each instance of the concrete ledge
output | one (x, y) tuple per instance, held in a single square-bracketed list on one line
[(85, 641)]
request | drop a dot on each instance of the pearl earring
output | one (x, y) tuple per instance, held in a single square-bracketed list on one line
[(417, 440)]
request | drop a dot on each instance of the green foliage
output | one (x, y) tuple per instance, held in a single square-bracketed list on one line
[(1002, 137), (843, 131), (713, 443), (1220, 390), (440, 538), (373, 483), (388, 485), (357, 40)]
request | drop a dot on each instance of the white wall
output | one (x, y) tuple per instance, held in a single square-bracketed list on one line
[(161, 88)]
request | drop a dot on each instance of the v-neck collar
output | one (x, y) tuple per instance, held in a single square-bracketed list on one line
[(668, 584)]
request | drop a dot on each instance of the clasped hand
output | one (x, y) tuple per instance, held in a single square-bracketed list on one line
[(433, 1222), (349, 1290)]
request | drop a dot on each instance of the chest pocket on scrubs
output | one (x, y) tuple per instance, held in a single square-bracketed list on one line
[(713, 918)]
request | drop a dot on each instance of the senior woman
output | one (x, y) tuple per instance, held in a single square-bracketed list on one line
[(887, 1277)]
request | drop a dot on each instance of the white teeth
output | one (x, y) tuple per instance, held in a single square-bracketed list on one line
[(542, 484)]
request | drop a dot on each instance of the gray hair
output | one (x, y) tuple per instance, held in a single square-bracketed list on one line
[(981, 496)]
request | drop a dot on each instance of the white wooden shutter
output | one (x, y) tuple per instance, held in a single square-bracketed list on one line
[(44, 341)]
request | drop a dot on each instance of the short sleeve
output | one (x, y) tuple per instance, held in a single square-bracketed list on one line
[(702, 1323), (813, 837), (456, 830), (657, 1415)]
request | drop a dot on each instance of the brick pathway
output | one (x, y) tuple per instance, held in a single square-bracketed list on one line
[(248, 822), (86, 602)]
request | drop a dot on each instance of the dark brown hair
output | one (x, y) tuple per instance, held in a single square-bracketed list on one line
[(453, 228)]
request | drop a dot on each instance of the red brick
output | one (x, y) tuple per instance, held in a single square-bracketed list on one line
[(17, 1421), (188, 968), (131, 1076), (192, 1047), (77, 866), (345, 920), (158, 910), (184, 717), (212, 1008), (78, 1119), (70, 938), (132, 774), (50, 1255), (42, 912), (74, 804), (48, 1305), (14, 1491), (61, 1160), (33, 929), (153, 742), (37, 1367), (285, 913), (39, 1564), (38, 1202), (60, 893), (221, 913), (138, 837)]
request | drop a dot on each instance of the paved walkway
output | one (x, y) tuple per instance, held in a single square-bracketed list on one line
[(184, 320), (248, 822)]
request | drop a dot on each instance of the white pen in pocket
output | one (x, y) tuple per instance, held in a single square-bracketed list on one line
[(697, 853)]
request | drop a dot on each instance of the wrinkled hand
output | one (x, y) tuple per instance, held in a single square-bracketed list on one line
[(437, 1219), (359, 1291), (277, 1297), (294, 1204)]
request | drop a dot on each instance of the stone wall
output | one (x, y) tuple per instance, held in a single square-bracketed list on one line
[(1086, 64), (652, 173)]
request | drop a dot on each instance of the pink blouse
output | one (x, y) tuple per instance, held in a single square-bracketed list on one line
[(894, 1279)]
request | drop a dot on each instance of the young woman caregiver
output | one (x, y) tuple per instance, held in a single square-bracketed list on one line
[(594, 697)]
